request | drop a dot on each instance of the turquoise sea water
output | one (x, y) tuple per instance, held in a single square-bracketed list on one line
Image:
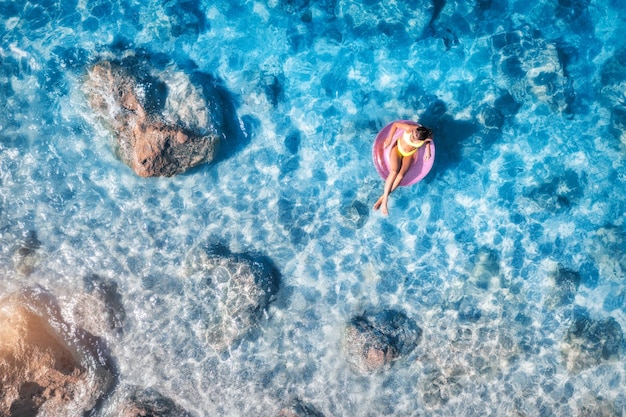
[(510, 255)]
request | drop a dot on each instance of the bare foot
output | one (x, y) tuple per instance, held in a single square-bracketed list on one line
[(378, 203), (384, 209)]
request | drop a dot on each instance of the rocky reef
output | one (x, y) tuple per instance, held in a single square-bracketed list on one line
[(233, 290), (163, 123), (590, 342), (374, 341), (299, 409), (149, 403), (46, 368)]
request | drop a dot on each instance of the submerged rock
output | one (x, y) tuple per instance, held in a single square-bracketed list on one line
[(149, 403), (99, 309), (439, 387), (27, 257), (356, 214), (528, 65), (299, 409), (566, 286), (611, 87), (589, 342), (372, 342), (609, 251), (161, 129), (560, 193), (45, 370), (486, 268), (592, 405), (234, 289)]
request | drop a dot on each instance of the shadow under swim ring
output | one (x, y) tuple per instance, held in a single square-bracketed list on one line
[(380, 154)]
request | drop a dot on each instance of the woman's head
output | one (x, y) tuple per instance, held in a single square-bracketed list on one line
[(421, 133)]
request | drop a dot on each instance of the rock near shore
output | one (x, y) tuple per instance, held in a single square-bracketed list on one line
[(149, 403), (43, 370), (163, 123)]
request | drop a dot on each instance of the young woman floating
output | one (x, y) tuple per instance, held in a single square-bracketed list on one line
[(402, 155)]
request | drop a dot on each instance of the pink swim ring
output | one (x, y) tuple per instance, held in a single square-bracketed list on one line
[(380, 154)]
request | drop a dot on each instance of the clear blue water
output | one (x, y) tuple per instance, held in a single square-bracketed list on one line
[(514, 242)]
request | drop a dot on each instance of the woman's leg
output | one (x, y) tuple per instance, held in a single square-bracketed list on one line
[(394, 169), (406, 163)]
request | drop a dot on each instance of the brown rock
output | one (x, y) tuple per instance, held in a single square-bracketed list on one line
[(365, 355), (162, 150), (146, 142), (40, 371), (374, 341)]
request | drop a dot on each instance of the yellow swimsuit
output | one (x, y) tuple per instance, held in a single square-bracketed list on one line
[(407, 138)]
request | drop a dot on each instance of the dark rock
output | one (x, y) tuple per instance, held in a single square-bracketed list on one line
[(100, 308), (149, 403), (373, 342), (593, 405), (491, 117), (566, 286), (45, 370), (299, 409), (560, 193), (186, 18), (611, 86), (609, 248), (273, 86), (532, 67), (507, 105), (589, 342), (147, 141), (27, 256), (438, 388), (292, 141), (468, 310), (357, 213)]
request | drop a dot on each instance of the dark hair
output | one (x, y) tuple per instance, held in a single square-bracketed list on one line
[(424, 133)]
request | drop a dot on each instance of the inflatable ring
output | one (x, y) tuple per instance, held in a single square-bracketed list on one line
[(380, 154)]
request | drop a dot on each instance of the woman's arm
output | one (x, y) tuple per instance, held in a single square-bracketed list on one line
[(392, 131), (395, 126)]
